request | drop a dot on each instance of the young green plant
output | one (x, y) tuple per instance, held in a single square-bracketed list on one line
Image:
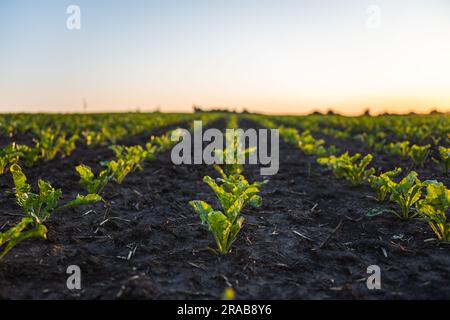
[(38, 207), (346, 167), (93, 184), (419, 154), (445, 157), (234, 194), (433, 208), (405, 194), (383, 183)]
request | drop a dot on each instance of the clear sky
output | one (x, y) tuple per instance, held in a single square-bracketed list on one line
[(278, 56)]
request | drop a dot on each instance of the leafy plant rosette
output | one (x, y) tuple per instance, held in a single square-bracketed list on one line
[(93, 184), (405, 194), (234, 194), (37, 207), (434, 207), (445, 157), (346, 167), (383, 183), (419, 154)]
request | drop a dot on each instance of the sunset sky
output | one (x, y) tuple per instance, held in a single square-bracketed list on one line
[(278, 56)]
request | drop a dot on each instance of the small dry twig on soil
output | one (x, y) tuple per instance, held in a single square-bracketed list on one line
[(132, 251), (87, 212), (296, 193), (227, 282), (13, 214), (93, 237), (329, 236), (113, 218), (195, 265), (303, 236), (354, 220)]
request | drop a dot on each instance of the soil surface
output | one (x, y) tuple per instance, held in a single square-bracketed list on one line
[(310, 239)]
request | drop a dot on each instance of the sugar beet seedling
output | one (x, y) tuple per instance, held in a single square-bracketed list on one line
[(234, 193), (434, 207), (38, 207)]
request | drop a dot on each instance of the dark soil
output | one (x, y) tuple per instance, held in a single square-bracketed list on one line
[(311, 239)]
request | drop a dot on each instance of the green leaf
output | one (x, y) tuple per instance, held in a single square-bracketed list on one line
[(438, 195), (220, 227), (202, 209), (47, 200), (406, 193), (383, 184), (235, 209), (16, 234), (88, 180), (255, 201), (226, 199), (20, 181), (83, 200), (85, 172), (235, 228)]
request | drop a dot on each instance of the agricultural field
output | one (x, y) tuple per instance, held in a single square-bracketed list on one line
[(101, 192)]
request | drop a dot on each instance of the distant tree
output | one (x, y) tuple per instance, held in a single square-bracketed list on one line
[(435, 111), (197, 108)]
